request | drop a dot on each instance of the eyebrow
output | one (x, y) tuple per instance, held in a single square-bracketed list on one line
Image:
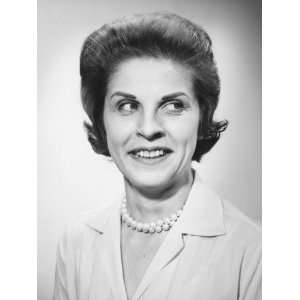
[(123, 95), (130, 96), (173, 95)]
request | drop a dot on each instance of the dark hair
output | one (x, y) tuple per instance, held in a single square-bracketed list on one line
[(158, 35)]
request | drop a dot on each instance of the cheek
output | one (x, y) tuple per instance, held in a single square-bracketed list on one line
[(118, 131), (185, 131)]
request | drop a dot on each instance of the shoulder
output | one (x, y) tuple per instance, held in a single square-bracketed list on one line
[(240, 227), (82, 231), (244, 236)]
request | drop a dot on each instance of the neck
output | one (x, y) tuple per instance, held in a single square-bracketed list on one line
[(147, 205)]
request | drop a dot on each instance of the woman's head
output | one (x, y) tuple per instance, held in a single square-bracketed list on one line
[(151, 118), (158, 36)]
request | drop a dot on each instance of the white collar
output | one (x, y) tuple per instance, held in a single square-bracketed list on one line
[(202, 214)]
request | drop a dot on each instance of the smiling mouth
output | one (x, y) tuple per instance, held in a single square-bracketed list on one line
[(150, 154)]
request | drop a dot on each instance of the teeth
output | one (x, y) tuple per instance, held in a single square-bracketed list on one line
[(150, 154)]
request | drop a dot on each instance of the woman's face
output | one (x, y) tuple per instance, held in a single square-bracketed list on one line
[(151, 118)]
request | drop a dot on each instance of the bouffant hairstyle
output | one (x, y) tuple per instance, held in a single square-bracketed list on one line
[(156, 35)]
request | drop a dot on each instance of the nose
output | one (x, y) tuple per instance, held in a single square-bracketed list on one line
[(150, 127)]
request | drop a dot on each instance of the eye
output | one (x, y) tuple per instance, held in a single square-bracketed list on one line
[(174, 107), (127, 107)]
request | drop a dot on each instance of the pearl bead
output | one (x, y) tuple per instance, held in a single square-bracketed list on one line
[(158, 229), (172, 223), (152, 229), (146, 228), (167, 221), (166, 227), (133, 224), (139, 226), (174, 217)]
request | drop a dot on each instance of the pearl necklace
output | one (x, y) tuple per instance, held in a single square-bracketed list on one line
[(153, 227)]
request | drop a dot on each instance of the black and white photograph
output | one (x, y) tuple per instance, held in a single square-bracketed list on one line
[(149, 150)]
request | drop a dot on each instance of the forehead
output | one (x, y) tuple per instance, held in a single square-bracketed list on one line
[(150, 75)]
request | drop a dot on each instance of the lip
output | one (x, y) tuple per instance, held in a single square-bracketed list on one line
[(151, 161), (166, 149)]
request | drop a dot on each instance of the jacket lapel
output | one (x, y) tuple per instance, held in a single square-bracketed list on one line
[(170, 249), (108, 263)]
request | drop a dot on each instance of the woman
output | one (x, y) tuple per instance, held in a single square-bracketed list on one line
[(150, 88)]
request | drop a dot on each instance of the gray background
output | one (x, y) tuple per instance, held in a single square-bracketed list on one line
[(72, 179)]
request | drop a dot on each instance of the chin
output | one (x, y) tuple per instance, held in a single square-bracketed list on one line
[(153, 176), (151, 180)]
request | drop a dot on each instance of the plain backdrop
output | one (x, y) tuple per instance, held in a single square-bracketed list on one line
[(72, 178)]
